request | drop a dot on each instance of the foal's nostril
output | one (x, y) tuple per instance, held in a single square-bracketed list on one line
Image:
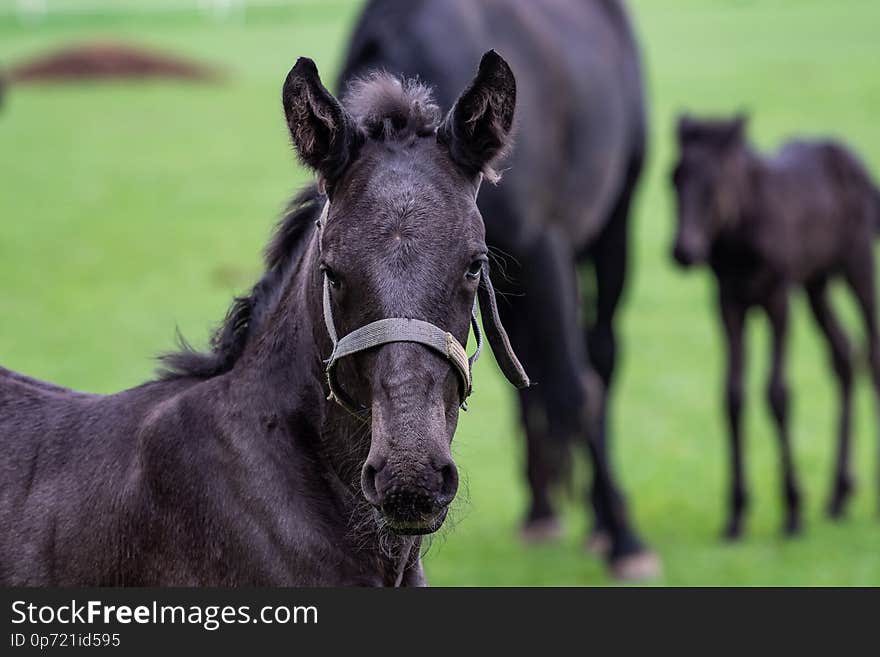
[(368, 484), (449, 487)]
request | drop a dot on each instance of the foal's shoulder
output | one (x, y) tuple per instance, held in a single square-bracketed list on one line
[(176, 410), (165, 401)]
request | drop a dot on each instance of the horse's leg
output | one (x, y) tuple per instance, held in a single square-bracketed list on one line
[(860, 276), (841, 360), (612, 532), (549, 278), (733, 316), (543, 456), (609, 257), (564, 380), (541, 523), (627, 556), (778, 397)]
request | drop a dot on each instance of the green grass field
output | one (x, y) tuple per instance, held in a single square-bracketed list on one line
[(129, 209)]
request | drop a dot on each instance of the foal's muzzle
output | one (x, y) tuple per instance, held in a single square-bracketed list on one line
[(682, 256), (688, 252), (416, 505)]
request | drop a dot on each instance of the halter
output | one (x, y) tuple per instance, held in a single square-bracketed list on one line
[(389, 330)]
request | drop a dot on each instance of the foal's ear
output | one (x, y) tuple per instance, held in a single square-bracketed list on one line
[(477, 130), (324, 134), (736, 130), (685, 128)]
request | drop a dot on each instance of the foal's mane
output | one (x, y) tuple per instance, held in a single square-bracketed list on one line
[(385, 108), (229, 339)]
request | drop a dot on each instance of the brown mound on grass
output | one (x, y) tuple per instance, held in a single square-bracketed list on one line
[(109, 61)]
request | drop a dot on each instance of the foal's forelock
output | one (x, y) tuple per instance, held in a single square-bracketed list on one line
[(388, 108)]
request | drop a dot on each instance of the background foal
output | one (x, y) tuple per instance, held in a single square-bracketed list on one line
[(765, 226)]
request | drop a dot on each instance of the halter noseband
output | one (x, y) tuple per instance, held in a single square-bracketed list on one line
[(389, 330)]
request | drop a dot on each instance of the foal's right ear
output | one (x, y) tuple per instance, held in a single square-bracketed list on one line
[(324, 134), (685, 127), (737, 128), (477, 130)]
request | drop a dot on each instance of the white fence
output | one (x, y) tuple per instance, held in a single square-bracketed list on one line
[(33, 11)]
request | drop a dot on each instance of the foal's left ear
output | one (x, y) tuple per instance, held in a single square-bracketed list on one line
[(477, 129), (736, 129), (326, 137)]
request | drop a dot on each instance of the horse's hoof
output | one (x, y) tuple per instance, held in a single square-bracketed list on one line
[(638, 567), (598, 543), (542, 530), (836, 509), (793, 529), (839, 498), (732, 534), (836, 514)]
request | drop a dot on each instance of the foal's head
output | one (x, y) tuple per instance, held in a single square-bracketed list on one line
[(707, 183), (402, 238)]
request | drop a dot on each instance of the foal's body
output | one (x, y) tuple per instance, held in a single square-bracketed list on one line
[(186, 481), (800, 199), (800, 218)]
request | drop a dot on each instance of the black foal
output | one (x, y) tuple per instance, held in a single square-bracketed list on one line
[(767, 225)]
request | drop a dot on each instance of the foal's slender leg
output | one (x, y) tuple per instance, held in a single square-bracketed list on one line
[(842, 362), (778, 398), (860, 276), (733, 316)]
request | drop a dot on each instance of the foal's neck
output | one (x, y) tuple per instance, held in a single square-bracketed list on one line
[(747, 197), (286, 358)]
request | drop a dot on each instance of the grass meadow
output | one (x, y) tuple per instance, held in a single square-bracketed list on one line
[(129, 209)]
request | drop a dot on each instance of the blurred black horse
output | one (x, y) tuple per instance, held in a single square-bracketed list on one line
[(767, 226), (565, 200)]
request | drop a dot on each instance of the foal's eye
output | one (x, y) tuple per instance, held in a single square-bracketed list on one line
[(331, 276), (473, 271)]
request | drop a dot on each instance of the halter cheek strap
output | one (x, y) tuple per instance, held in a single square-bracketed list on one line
[(389, 330)]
